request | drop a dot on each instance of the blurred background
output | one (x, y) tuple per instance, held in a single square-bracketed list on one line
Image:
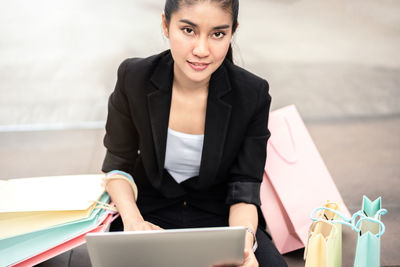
[(337, 61)]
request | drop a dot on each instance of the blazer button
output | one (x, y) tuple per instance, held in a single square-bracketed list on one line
[(138, 152), (184, 203)]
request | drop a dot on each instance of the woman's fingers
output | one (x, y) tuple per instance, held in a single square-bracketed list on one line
[(155, 227), (141, 226), (249, 259)]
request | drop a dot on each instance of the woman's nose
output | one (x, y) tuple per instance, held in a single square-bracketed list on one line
[(201, 48)]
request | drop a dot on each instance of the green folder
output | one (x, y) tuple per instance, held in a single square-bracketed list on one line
[(17, 248)]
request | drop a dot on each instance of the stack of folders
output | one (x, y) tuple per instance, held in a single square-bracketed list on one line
[(45, 216)]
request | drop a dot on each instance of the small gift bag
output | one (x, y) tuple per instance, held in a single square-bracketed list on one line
[(370, 228), (324, 246)]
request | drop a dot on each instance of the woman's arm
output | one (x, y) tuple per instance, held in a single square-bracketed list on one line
[(246, 175), (121, 141), (123, 196), (243, 214)]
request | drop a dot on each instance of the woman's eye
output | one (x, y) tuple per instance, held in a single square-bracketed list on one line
[(219, 35), (187, 30)]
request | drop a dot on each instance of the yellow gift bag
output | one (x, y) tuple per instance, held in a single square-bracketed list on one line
[(324, 246)]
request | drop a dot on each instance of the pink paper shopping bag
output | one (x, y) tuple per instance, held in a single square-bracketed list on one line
[(295, 181)]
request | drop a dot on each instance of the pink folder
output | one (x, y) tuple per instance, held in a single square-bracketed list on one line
[(68, 245), (295, 181)]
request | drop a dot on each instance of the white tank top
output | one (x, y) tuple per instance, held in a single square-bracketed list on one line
[(183, 154)]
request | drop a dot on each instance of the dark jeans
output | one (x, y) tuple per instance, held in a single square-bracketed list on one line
[(185, 216)]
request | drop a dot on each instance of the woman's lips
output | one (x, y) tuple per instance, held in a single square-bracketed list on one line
[(198, 66)]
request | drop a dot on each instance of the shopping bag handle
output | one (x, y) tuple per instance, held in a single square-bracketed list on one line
[(352, 221), (361, 213), (287, 159), (374, 219), (344, 220), (381, 225), (105, 206), (329, 222)]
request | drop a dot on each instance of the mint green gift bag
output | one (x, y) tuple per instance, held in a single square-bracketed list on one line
[(370, 230)]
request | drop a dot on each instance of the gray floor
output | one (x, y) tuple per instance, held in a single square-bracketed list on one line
[(336, 60), (362, 156)]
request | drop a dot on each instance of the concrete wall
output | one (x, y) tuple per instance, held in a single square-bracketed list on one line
[(334, 59)]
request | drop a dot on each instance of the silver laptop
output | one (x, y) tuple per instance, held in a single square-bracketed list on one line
[(195, 247)]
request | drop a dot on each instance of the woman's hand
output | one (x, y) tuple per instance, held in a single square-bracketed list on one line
[(140, 225), (124, 198), (249, 259)]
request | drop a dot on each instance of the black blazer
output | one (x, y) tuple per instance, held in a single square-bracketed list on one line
[(235, 137)]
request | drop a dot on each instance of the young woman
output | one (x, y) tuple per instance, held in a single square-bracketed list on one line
[(190, 127)]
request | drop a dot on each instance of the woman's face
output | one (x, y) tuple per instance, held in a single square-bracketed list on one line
[(199, 37)]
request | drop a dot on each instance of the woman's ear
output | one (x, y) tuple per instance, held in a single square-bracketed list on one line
[(234, 30), (164, 25)]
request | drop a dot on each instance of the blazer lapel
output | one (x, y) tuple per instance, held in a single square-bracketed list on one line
[(216, 126), (159, 103)]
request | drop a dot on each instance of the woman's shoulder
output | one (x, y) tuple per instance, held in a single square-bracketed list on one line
[(139, 65), (243, 79)]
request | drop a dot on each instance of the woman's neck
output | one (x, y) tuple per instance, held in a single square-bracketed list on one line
[(182, 83)]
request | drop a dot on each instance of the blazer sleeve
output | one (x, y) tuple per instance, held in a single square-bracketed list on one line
[(247, 171), (121, 139)]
